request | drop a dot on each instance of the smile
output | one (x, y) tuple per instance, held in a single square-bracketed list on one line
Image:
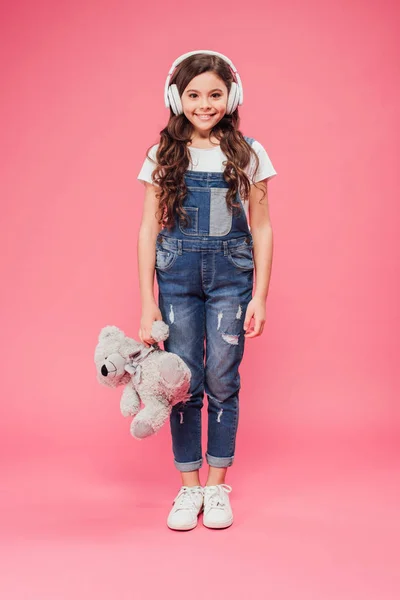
[(205, 117)]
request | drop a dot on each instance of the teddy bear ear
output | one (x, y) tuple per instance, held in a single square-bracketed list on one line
[(109, 331), (159, 331)]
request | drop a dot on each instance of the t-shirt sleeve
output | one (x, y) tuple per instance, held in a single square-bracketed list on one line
[(265, 169), (148, 166)]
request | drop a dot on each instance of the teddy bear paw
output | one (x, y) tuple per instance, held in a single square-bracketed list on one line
[(141, 429)]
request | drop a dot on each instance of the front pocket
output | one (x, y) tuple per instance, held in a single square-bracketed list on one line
[(165, 259), (242, 257), (193, 227)]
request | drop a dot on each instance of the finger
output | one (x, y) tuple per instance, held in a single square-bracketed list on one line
[(257, 331), (258, 326), (249, 331), (142, 336), (148, 340), (247, 321), (251, 334)]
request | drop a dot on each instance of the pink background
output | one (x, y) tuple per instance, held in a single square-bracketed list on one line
[(316, 482)]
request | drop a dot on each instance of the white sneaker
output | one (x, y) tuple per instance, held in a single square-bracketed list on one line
[(217, 508), (186, 508)]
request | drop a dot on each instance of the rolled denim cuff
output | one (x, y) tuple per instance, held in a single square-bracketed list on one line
[(189, 466), (214, 461)]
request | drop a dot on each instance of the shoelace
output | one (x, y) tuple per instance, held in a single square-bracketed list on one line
[(214, 495), (186, 498)]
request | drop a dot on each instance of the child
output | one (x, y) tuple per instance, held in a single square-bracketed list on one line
[(200, 196)]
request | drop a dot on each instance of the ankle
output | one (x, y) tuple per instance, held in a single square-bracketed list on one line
[(191, 479), (211, 482), (216, 476)]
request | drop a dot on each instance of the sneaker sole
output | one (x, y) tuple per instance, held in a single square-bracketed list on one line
[(184, 528), (218, 525)]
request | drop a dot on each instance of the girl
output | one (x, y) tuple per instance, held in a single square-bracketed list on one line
[(205, 184)]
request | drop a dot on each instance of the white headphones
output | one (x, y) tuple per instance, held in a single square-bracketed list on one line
[(171, 94)]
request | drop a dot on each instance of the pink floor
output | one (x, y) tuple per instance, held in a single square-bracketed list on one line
[(309, 523)]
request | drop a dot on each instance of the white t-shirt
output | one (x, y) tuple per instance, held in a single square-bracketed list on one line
[(211, 159)]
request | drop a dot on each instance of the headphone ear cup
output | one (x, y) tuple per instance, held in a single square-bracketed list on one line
[(174, 99), (233, 98), (171, 100)]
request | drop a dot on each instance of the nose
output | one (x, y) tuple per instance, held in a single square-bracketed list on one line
[(205, 105), (104, 371)]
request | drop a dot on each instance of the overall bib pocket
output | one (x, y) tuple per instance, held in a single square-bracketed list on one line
[(220, 215), (193, 227), (207, 211)]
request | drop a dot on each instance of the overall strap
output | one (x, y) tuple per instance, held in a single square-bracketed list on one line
[(248, 139)]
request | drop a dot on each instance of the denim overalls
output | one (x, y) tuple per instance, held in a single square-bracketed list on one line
[(205, 279)]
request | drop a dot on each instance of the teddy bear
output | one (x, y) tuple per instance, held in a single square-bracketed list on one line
[(153, 377)]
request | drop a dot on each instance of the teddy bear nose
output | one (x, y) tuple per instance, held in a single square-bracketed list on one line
[(104, 371)]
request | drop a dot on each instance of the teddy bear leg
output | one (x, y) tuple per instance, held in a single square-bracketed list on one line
[(130, 401), (149, 420)]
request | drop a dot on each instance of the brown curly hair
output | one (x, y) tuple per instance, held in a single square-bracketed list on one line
[(173, 156)]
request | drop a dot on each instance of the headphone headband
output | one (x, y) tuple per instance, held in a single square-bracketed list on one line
[(211, 52)]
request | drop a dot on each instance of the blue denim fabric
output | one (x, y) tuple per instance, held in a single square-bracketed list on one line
[(205, 279)]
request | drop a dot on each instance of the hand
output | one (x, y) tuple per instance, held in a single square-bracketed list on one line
[(149, 314), (256, 311)]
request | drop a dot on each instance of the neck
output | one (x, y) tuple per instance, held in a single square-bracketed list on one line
[(203, 143)]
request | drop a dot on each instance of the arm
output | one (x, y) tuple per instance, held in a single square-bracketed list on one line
[(261, 230), (130, 401), (149, 229)]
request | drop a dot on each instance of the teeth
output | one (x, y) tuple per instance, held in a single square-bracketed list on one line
[(204, 117)]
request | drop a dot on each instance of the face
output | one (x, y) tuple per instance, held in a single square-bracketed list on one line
[(204, 101)]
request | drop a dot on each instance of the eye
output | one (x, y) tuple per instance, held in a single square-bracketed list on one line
[(217, 94)]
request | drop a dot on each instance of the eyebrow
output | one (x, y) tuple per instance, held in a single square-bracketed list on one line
[(214, 90)]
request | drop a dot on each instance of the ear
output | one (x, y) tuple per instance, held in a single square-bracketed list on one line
[(110, 331), (159, 331)]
